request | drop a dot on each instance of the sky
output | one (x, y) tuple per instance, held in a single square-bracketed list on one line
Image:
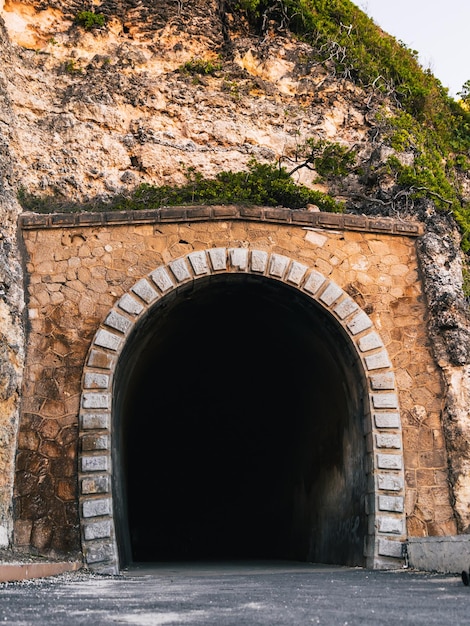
[(438, 29)]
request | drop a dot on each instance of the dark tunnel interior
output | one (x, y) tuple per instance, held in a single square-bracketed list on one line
[(238, 419)]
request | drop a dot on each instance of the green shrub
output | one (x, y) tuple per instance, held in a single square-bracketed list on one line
[(90, 20), (430, 124), (71, 68), (344, 36), (262, 184), (328, 158), (200, 66)]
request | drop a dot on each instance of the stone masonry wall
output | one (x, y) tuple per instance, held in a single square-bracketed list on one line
[(79, 265)]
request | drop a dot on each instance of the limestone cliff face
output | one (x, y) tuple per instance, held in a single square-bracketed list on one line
[(85, 115), (114, 110), (11, 298)]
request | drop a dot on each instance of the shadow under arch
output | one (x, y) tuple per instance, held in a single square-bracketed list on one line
[(237, 410), (241, 404)]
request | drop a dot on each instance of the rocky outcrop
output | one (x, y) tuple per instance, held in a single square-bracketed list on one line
[(11, 295), (88, 114), (449, 330), (115, 107)]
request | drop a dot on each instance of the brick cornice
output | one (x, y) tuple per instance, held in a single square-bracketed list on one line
[(312, 219)]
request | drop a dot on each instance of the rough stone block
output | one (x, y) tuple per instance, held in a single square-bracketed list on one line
[(41, 534), (330, 219), (315, 237), (390, 482), (239, 258), (388, 547), (259, 261), (314, 282), (180, 270), (388, 441), (145, 291), (391, 503), (94, 463), (108, 340), (95, 421), (278, 265), (370, 341), (390, 461), (385, 401), (130, 305), (118, 322), (28, 440), (225, 211), (387, 420), (345, 307), (198, 262), (218, 259), (377, 361), (96, 508), (331, 294), (96, 400), (296, 273), (50, 449), (162, 279), (100, 359), (96, 530), (392, 525), (95, 484), (95, 442), (96, 381), (447, 554), (432, 458), (383, 381), (358, 323), (105, 569), (99, 552)]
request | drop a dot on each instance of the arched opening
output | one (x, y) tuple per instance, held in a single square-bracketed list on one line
[(238, 418)]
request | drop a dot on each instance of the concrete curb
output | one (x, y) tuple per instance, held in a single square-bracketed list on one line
[(10, 572)]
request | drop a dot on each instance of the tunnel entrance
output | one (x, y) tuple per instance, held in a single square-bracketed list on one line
[(238, 418)]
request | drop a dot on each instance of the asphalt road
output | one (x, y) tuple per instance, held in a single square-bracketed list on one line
[(235, 594)]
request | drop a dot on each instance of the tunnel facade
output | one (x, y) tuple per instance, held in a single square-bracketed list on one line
[(257, 447), (225, 383)]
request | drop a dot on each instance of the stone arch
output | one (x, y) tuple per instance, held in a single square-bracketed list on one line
[(385, 506)]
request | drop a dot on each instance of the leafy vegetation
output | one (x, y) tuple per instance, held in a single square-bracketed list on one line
[(262, 184), (328, 159), (427, 174), (429, 124), (465, 94), (70, 66), (200, 66), (90, 20)]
